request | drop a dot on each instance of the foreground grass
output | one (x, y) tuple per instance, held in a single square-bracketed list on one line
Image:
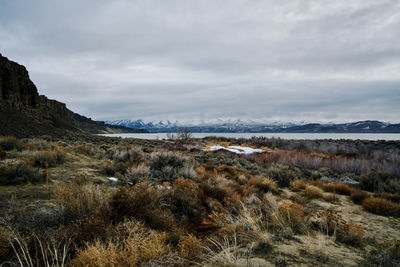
[(175, 205)]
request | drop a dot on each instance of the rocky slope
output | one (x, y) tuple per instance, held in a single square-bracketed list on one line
[(23, 112)]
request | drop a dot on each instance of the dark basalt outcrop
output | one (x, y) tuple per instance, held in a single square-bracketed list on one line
[(23, 112)]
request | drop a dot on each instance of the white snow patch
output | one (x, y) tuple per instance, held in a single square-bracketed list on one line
[(113, 179), (235, 149)]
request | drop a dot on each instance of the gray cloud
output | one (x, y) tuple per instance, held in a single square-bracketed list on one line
[(176, 59)]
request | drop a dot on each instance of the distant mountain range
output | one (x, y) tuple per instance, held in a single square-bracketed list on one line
[(240, 126)]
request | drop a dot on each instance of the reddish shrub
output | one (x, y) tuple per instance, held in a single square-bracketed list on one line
[(381, 206), (338, 188)]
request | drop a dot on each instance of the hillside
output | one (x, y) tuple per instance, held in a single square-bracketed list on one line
[(23, 112)]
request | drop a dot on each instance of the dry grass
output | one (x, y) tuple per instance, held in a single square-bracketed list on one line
[(311, 191), (226, 253), (190, 247), (331, 223), (332, 198), (381, 206), (264, 184), (297, 185), (83, 201), (290, 218), (49, 251), (140, 247), (338, 188)]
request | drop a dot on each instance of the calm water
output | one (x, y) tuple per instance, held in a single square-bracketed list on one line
[(310, 136)]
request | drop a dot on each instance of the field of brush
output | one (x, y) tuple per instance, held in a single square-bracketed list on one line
[(102, 201)]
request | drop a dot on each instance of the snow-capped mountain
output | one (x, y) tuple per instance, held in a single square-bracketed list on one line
[(253, 126)]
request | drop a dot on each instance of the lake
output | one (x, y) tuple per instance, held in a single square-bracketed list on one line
[(297, 136)]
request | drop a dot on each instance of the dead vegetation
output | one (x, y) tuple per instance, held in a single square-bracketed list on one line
[(184, 208)]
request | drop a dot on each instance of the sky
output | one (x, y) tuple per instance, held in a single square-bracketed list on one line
[(202, 60)]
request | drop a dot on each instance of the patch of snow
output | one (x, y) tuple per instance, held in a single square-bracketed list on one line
[(113, 179), (235, 149)]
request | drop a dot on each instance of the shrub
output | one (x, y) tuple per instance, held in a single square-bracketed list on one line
[(313, 192), (136, 174), (297, 185), (190, 247), (297, 199), (49, 158), (168, 166), (185, 199), (331, 223), (18, 173), (338, 188), (351, 234), (88, 150), (392, 197), (264, 184), (281, 174), (358, 196), (3, 153), (379, 182), (145, 203), (131, 154), (381, 206), (290, 218), (386, 254), (137, 249), (332, 198), (108, 167), (83, 201), (10, 143), (100, 254)]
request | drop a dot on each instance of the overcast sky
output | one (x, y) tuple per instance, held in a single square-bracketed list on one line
[(265, 60)]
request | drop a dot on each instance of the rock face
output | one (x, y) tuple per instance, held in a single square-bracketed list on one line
[(16, 89), (23, 112)]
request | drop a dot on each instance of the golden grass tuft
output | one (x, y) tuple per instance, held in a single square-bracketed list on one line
[(290, 218), (297, 185), (190, 247), (338, 188), (313, 192), (135, 250), (381, 206)]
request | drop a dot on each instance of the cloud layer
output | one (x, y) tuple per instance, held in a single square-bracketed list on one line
[(261, 59)]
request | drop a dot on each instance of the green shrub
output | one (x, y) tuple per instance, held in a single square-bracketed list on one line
[(10, 143), (380, 182), (381, 206), (281, 174), (167, 166), (18, 173)]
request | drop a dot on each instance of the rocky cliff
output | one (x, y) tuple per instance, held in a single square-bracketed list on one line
[(23, 112)]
